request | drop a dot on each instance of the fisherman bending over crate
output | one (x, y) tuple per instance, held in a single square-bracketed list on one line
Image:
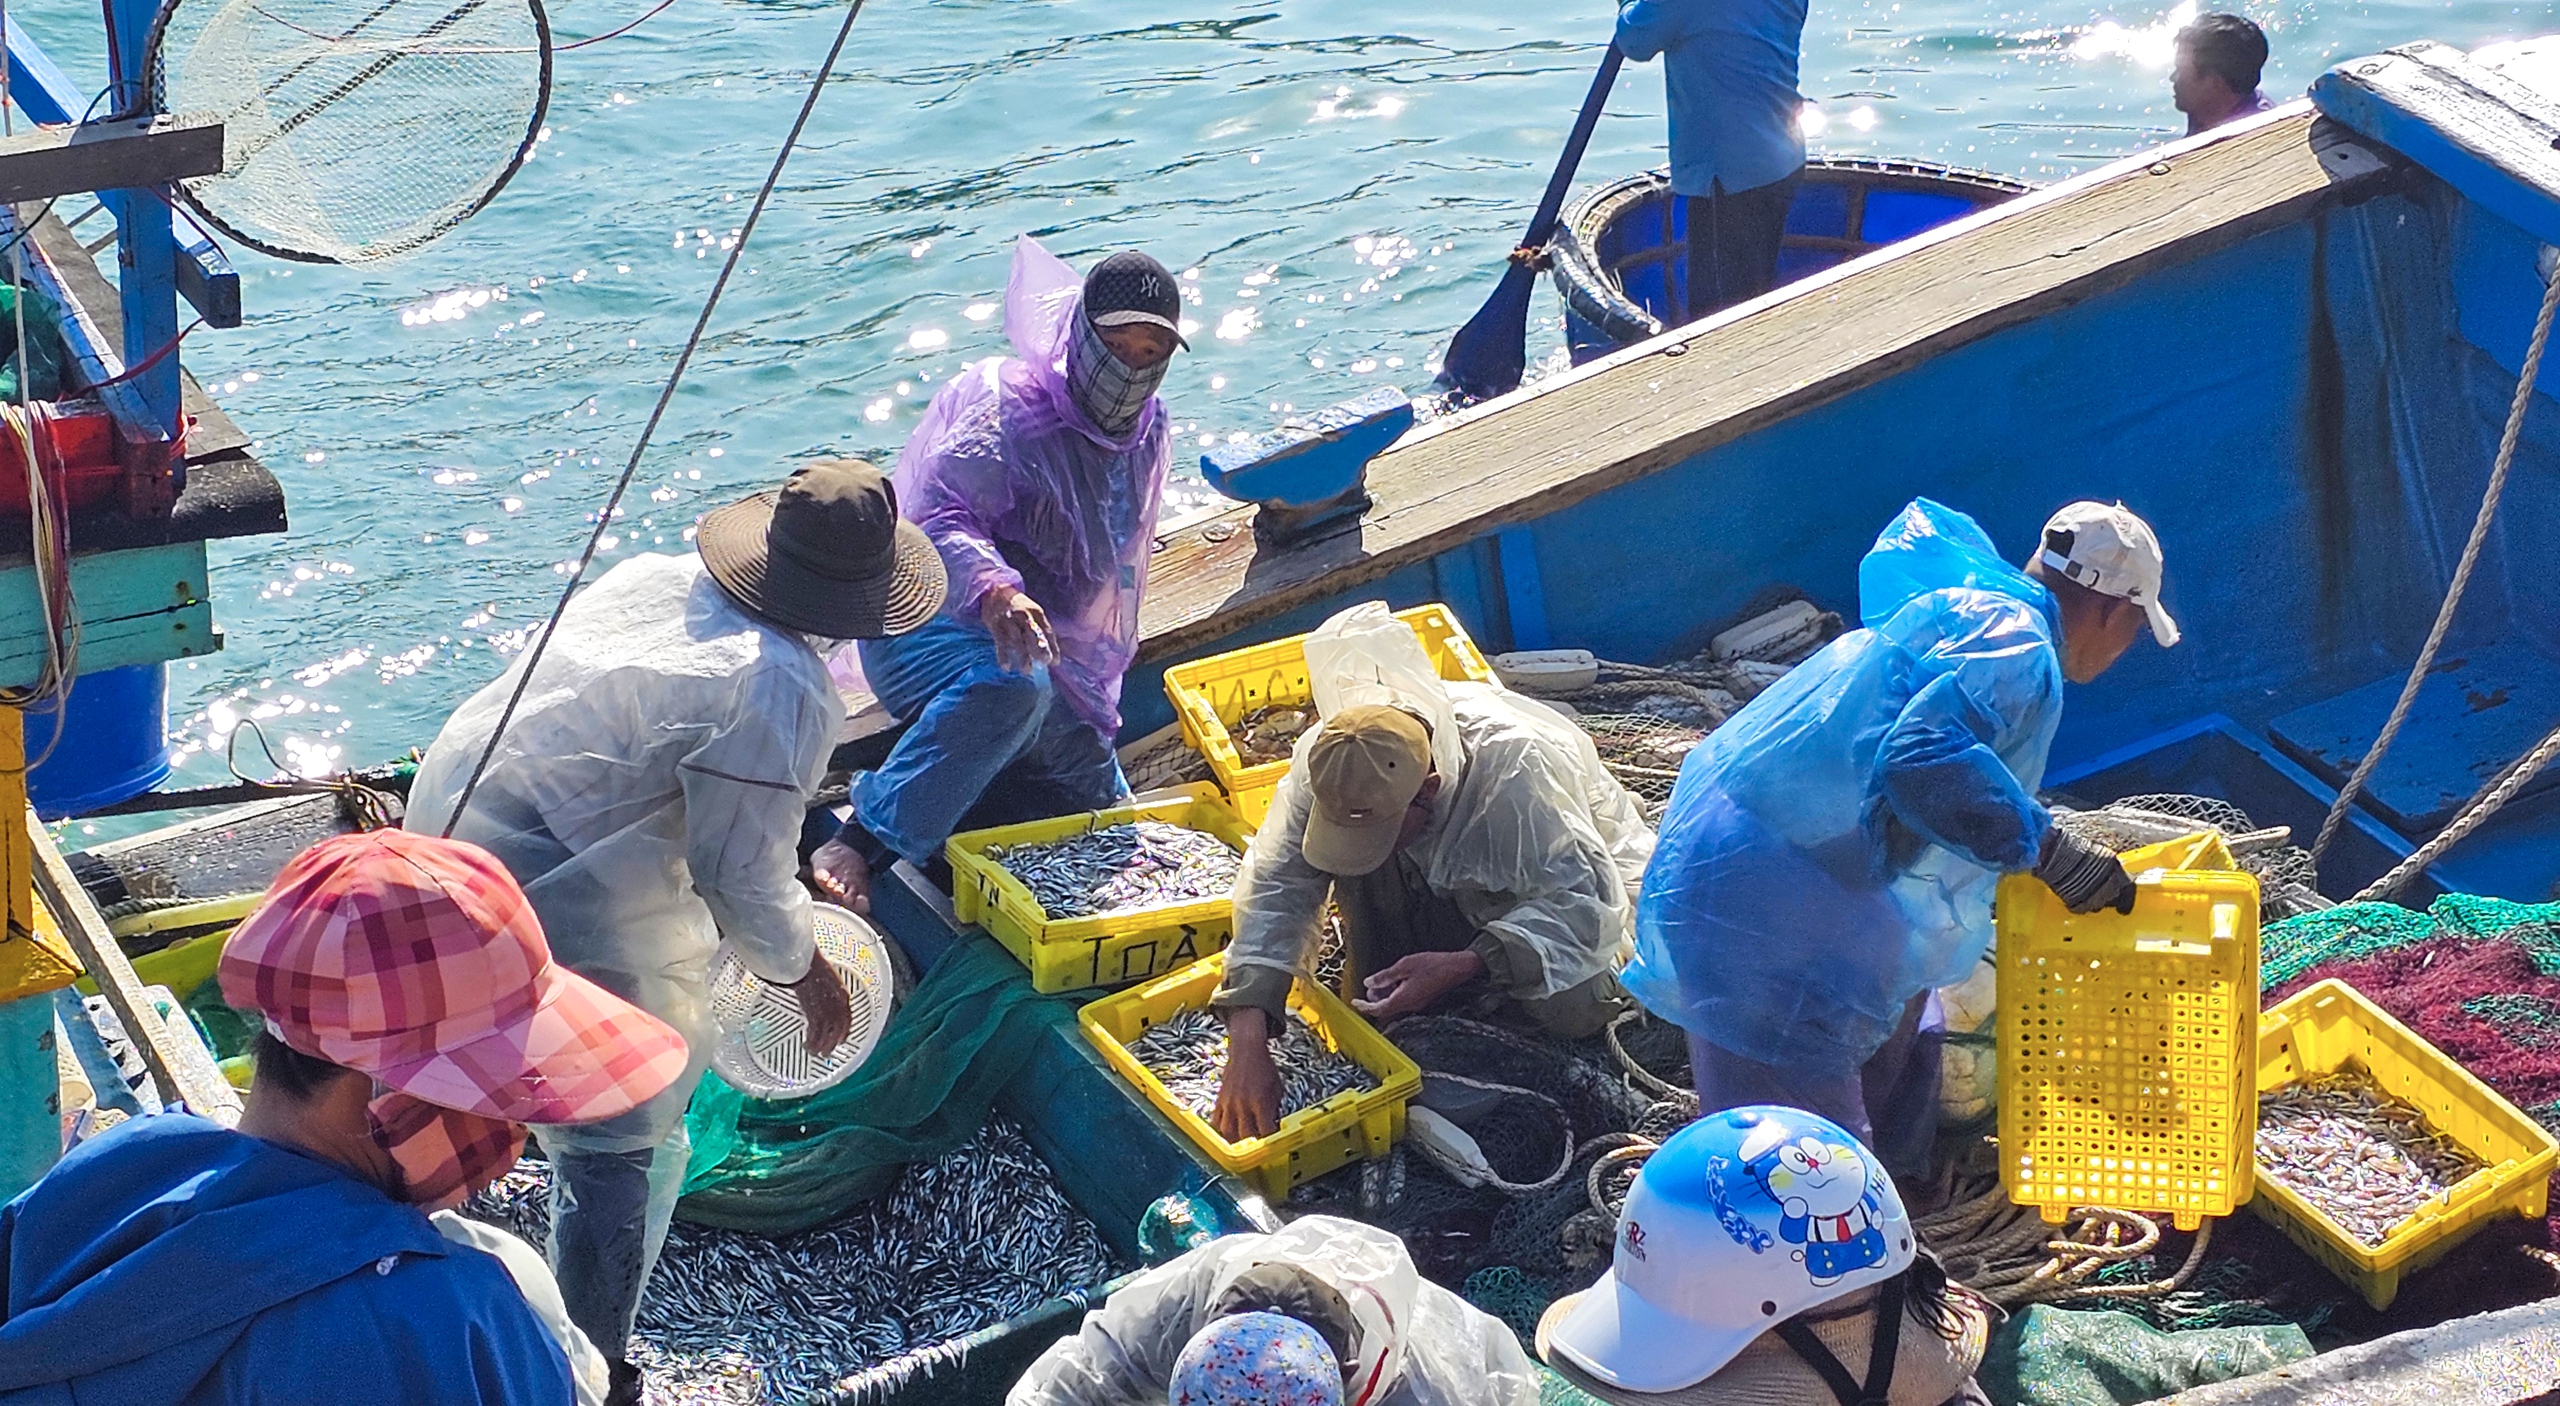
[(1829, 853), (1470, 838), (1038, 476)]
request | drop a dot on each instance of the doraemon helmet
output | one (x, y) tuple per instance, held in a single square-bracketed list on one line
[(1741, 1221)]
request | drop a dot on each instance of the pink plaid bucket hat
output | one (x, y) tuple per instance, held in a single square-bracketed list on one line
[(418, 961)]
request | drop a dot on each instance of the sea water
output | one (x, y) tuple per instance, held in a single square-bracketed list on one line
[(1335, 180)]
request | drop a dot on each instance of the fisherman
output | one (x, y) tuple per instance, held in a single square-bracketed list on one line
[(1038, 476), (1829, 852), (1737, 150), (1468, 836), (415, 1023), (1764, 1255), (1319, 1313), (649, 793), (2216, 77)]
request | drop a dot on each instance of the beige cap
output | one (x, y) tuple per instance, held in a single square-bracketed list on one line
[(1363, 770), (2104, 547)]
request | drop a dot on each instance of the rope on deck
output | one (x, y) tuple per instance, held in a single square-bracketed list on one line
[(2488, 805)]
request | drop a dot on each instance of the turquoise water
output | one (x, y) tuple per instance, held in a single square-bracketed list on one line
[(1342, 177)]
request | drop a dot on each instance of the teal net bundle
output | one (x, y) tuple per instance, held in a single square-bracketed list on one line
[(784, 1167)]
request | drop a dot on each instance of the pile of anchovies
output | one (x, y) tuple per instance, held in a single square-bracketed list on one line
[(962, 1242), (1188, 1055), (1270, 734), (1144, 864), (2367, 1161)]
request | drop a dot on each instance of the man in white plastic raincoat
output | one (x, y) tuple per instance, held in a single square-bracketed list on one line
[(1396, 1340), (1466, 834), (649, 795)]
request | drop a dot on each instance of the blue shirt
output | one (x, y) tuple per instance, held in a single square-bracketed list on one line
[(1730, 69), (173, 1262)]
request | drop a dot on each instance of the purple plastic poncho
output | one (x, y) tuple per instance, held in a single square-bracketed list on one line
[(1017, 488)]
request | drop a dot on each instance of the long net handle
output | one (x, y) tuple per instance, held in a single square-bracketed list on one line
[(2461, 576), (666, 393)]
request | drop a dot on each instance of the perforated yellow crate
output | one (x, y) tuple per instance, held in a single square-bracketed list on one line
[(2127, 1044), (2330, 1026), (1210, 694), (1311, 1141), (1108, 949)]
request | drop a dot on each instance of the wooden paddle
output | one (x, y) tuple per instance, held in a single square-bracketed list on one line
[(1487, 356)]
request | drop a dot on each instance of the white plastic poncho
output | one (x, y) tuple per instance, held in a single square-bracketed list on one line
[(650, 790), (1416, 1344), (1532, 838)]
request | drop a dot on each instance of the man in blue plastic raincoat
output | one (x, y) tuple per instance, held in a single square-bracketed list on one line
[(1829, 853)]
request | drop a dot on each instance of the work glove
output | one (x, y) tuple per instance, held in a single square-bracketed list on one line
[(2086, 876)]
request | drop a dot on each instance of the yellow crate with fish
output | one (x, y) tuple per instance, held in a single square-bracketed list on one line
[(2376, 1152), (1344, 1087), (1106, 897), (1243, 710), (2126, 1041)]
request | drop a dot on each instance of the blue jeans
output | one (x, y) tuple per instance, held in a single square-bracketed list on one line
[(984, 746)]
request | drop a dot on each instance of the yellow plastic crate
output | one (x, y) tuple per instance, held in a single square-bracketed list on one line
[(1108, 949), (2331, 1026), (1210, 694), (2125, 1042), (1311, 1141)]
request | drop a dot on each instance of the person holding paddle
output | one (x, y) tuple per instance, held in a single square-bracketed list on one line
[(1729, 69)]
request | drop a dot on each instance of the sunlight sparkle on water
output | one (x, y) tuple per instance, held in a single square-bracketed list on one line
[(2154, 45)]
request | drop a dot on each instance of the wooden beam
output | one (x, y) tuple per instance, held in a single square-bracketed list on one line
[(118, 154), (143, 606), (1645, 409), (2489, 135), (193, 1082)]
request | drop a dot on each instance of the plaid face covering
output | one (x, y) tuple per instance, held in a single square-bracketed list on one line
[(442, 1154), (1108, 390)]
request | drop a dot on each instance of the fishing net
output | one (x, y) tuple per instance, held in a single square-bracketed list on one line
[(353, 129), (2288, 877), (2050, 1356), (961, 1241), (778, 1168)]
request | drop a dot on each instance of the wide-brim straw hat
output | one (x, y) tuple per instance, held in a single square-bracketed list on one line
[(827, 555), (1928, 1370)]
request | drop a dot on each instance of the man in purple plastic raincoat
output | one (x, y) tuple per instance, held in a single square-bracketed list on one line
[(1038, 476)]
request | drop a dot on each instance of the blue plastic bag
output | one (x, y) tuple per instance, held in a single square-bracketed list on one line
[(1829, 853)]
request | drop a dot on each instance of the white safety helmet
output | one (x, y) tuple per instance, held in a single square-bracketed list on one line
[(1742, 1220)]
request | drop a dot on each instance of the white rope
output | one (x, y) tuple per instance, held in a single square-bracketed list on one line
[(2461, 575), (2472, 817)]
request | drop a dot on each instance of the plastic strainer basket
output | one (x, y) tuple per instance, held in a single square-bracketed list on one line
[(762, 1051)]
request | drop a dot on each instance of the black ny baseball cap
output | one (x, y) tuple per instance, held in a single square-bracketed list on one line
[(1132, 287)]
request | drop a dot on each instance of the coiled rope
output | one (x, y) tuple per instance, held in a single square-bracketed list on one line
[(2426, 661), (2009, 1254), (666, 393)]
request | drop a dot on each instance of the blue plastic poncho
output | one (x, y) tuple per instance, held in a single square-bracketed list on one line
[(1017, 487), (1829, 852)]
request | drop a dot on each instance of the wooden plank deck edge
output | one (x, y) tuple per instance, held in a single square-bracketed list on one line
[(1650, 407)]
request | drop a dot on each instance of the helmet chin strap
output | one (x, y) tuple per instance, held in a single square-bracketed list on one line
[(1881, 1351)]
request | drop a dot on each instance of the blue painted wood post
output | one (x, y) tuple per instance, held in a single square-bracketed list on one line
[(30, 1094), (147, 245)]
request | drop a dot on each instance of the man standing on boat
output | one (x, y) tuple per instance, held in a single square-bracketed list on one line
[(1471, 839), (1737, 151), (2216, 77), (1829, 852), (1038, 476), (649, 793)]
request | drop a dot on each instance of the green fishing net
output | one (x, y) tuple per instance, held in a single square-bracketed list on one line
[(783, 1167), (45, 355), (2049, 1356), (2344, 933)]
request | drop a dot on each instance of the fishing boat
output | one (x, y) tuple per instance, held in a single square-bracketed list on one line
[(1620, 255), (2290, 344)]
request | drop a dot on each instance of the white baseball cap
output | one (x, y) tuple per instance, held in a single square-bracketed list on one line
[(2107, 549)]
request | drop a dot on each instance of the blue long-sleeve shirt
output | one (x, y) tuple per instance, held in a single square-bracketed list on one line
[(1729, 67), (174, 1262)]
